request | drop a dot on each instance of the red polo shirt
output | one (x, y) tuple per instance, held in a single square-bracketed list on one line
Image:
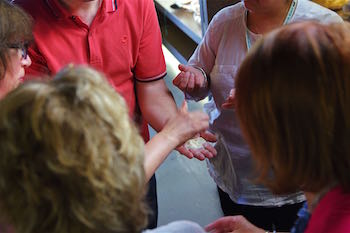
[(123, 41)]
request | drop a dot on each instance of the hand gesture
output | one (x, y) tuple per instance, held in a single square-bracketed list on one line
[(233, 224), (208, 151), (185, 125), (230, 100), (190, 80)]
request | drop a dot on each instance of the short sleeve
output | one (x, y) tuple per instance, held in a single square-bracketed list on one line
[(150, 64)]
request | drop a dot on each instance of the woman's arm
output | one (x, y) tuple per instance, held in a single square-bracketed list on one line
[(177, 130)]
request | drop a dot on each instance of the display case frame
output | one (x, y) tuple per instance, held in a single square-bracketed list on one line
[(183, 20)]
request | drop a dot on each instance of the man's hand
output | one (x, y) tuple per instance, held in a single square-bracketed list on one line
[(233, 224), (207, 151)]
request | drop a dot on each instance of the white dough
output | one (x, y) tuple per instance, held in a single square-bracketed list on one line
[(195, 143)]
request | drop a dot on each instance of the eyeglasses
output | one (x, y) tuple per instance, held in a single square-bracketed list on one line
[(23, 47)]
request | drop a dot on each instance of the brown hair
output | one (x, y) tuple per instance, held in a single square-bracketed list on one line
[(293, 102), (15, 27), (71, 160)]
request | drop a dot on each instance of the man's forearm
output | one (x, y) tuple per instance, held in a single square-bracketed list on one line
[(156, 103)]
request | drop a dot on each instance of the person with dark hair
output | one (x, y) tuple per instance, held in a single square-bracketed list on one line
[(292, 99), (211, 71), (15, 34)]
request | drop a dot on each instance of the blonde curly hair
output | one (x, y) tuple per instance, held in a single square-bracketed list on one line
[(71, 159)]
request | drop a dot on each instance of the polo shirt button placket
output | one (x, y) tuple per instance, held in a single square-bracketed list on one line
[(95, 60)]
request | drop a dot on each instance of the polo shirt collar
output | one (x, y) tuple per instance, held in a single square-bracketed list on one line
[(59, 11), (110, 5)]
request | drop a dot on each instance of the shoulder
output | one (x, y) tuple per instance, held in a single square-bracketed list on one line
[(226, 20), (332, 214), (308, 10), (230, 14), (132, 4), (136, 9), (178, 227)]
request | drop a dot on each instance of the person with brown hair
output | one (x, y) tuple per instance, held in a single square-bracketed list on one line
[(211, 71), (72, 160), (15, 34), (292, 99)]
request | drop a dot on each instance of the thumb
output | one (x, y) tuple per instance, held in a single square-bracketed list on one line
[(184, 108), (183, 67)]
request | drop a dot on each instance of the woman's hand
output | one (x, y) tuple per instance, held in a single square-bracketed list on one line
[(185, 125), (190, 80), (230, 101), (181, 127), (233, 224)]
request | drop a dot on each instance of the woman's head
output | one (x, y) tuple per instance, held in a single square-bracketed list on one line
[(292, 99), (71, 160), (15, 33)]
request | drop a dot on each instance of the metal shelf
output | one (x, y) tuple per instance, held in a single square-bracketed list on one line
[(182, 18)]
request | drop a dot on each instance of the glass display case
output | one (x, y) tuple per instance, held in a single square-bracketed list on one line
[(184, 22)]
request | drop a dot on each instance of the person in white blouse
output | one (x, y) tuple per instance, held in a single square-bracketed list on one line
[(295, 117), (211, 71)]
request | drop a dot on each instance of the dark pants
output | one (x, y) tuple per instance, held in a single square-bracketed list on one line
[(151, 199), (268, 218)]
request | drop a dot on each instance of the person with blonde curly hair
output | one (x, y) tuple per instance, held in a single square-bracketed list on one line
[(72, 160)]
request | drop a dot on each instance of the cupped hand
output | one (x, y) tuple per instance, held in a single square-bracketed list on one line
[(233, 224), (207, 151), (190, 79)]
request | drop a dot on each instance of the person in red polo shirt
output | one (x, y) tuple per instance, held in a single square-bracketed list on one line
[(122, 39)]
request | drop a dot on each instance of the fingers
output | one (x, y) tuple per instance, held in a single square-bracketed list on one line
[(227, 105), (184, 151), (197, 154), (199, 80), (184, 108), (224, 224), (189, 79), (200, 154), (210, 149), (183, 67), (191, 83), (178, 79), (215, 227), (207, 153), (208, 136), (197, 121), (230, 100)]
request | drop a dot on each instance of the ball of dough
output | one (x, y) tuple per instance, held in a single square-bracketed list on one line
[(195, 143)]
